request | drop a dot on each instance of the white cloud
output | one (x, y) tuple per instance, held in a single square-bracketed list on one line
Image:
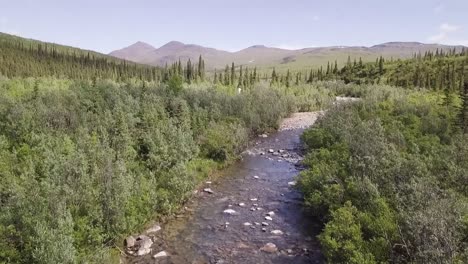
[(445, 33)]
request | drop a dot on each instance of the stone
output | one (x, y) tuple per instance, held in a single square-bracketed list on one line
[(269, 248), (268, 218), (264, 229), (263, 135), (143, 241), (289, 251), (265, 224), (275, 154), (208, 190), (257, 223), (271, 150), (241, 204), (255, 204), (277, 232), (130, 242), (253, 199), (259, 208), (242, 245), (208, 182), (143, 251), (292, 183), (271, 213), (153, 229), (252, 209), (256, 177), (281, 151), (247, 224), (262, 153), (229, 212), (161, 254)]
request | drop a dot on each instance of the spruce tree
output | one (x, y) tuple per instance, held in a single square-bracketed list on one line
[(233, 73)]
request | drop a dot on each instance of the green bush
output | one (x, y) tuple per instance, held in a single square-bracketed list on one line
[(385, 175)]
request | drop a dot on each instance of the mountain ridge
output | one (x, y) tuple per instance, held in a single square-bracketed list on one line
[(267, 57)]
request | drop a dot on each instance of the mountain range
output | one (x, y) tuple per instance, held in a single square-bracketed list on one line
[(268, 57)]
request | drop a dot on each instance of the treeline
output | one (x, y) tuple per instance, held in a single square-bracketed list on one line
[(438, 70), (21, 57), (388, 177)]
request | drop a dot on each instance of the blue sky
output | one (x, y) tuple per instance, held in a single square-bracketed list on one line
[(106, 25)]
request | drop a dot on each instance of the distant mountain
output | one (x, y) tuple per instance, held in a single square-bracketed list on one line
[(267, 57), (135, 52)]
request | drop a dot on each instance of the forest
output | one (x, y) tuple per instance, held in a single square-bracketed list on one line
[(93, 147)]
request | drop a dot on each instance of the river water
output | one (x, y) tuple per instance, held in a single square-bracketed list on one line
[(262, 182)]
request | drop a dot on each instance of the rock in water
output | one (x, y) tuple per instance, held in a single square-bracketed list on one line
[(269, 247), (293, 183), (208, 190), (130, 242), (277, 232), (229, 212), (161, 254)]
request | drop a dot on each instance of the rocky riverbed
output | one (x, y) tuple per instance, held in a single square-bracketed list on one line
[(252, 214)]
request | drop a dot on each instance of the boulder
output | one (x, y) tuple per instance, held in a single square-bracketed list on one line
[(143, 241), (130, 242), (277, 232), (153, 229), (143, 251), (271, 150), (268, 218), (229, 212), (208, 190), (269, 248), (161, 254), (271, 213)]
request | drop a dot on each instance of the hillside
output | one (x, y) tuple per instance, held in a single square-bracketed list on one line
[(268, 57), (21, 57)]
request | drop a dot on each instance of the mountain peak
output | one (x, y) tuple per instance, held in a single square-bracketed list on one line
[(173, 44), (141, 45)]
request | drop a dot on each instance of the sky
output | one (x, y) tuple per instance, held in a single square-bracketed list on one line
[(107, 25)]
